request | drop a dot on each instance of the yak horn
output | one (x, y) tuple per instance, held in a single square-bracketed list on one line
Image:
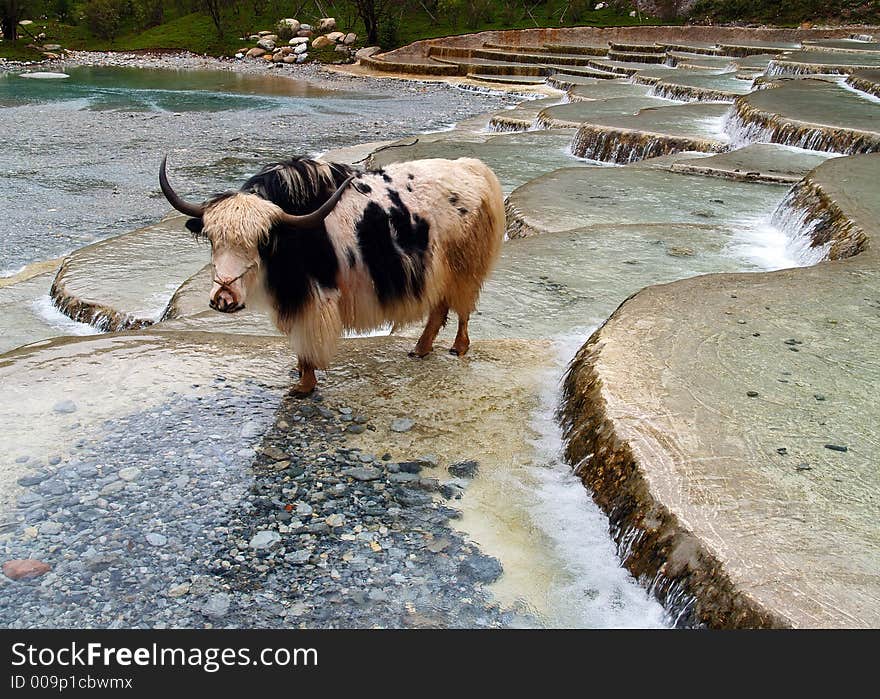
[(184, 207), (318, 215)]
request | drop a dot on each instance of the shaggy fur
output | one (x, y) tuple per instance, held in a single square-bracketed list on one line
[(411, 240)]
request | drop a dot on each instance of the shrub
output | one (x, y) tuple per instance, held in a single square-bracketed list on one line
[(103, 17)]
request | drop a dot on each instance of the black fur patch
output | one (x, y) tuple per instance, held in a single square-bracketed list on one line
[(453, 199), (352, 258), (386, 177), (462, 211), (386, 238), (295, 259), (299, 185), (196, 226), (411, 176), (362, 187), (412, 230)]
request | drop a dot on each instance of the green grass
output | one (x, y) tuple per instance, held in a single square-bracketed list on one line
[(196, 32)]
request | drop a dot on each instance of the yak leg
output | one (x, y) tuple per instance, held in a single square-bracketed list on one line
[(307, 380), (436, 320), (462, 340)]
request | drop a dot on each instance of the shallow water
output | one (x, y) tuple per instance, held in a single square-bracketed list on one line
[(86, 150), (155, 89)]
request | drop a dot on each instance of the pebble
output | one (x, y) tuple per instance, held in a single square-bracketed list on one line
[(403, 477), (130, 473), (356, 429), (464, 469), (752, 394), (264, 539), (217, 605), (362, 473), (410, 466), (335, 520), (836, 447), (64, 406), (33, 479), (179, 590), (402, 424), (484, 569), (25, 569), (51, 528), (155, 539)]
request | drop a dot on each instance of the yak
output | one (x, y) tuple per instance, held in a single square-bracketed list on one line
[(328, 248)]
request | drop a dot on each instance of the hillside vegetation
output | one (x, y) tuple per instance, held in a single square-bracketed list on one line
[(216, 27)]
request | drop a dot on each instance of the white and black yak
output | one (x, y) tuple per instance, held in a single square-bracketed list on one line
[(329, 248)]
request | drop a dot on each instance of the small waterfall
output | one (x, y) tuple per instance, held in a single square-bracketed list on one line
[(542, 121), (816, 228), (746, 124), (558, 81), (688, 93), (867, 87), (102, 318), (624, 146), (788, 69), (502, 124), (516, 225)]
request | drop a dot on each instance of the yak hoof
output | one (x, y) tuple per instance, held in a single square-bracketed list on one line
[(301, 391), (419, 355)]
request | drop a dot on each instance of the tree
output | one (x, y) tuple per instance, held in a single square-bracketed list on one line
[(11, 12), (373, 13), (214, 8), (103, 17)]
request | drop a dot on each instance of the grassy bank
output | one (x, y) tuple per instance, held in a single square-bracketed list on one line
[(195, 31), (177, 26)]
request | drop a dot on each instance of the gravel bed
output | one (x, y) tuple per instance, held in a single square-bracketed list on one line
[(226, 510)]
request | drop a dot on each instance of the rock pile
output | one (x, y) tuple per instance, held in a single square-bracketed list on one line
[(289, 42), (50, 51)]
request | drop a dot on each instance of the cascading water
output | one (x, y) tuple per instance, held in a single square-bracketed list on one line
[(800, 226), (625, 146), (745, 124), (593, 582)]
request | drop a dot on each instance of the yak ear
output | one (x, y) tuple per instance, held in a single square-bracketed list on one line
[(195, 225)]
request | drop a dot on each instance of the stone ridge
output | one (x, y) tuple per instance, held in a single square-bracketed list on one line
[(746, 508)]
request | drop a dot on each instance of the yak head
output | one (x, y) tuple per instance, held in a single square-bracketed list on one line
[(236, 225)]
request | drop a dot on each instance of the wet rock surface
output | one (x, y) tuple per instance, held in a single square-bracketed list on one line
[(717, 438), (106, 184), (179, 516)]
